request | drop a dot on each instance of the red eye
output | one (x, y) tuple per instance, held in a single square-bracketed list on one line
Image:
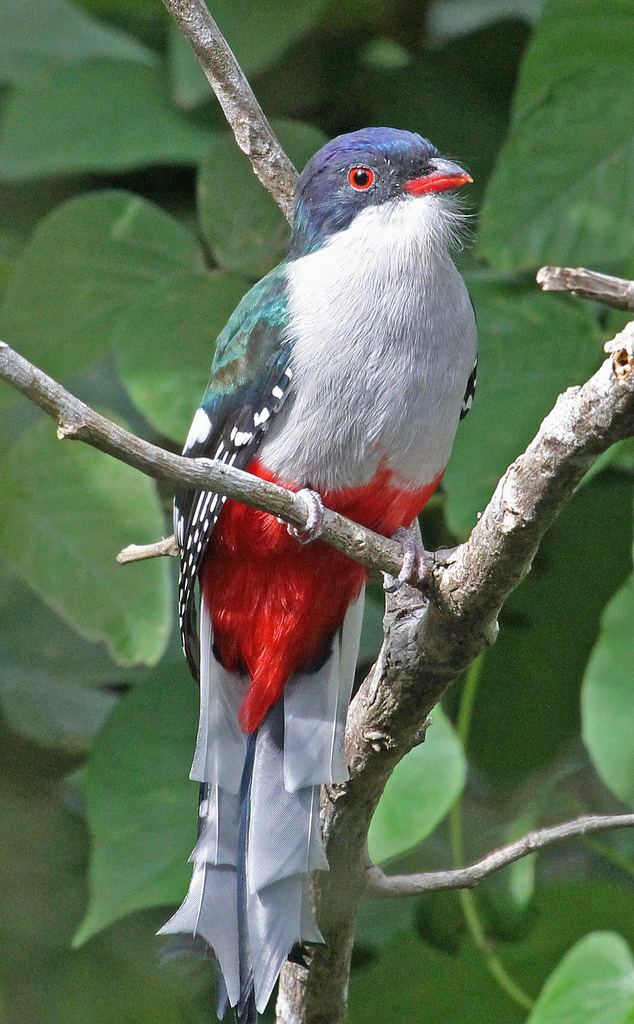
[(361, 178)]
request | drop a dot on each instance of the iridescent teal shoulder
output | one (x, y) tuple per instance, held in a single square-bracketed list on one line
[(254, 331)]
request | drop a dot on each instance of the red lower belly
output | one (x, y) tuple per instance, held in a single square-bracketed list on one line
[(276, 604)]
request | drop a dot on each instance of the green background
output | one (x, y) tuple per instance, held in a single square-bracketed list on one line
[(130, 225)]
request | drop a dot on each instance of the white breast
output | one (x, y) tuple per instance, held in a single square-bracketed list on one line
[(384, 342)]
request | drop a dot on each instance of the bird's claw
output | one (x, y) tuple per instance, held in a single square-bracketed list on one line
[(314, 517), (415, 562)]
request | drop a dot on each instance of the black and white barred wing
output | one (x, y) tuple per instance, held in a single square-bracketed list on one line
[(470, 390), (228, 427)]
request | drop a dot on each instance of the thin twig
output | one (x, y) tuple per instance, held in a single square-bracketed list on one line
[(611, 291), (247, 120), (381, 885), (139, 552), (79, 422)]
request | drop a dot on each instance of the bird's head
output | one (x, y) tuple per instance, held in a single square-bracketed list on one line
[(366, 170)]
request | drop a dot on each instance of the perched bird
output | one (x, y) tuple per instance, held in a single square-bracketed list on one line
[(342, 374)]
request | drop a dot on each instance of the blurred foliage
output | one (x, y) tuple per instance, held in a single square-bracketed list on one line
[(422, 788), (130, 225)]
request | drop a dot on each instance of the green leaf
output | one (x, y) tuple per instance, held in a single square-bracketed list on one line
[(67, 511), (449, 18), (23, 206), (531, 348), (260, 33), (516, 884), (39, 870), (420, 792), (561, 189), (138, 16), (117, 977), (409, 975), (573, 41), (55, 712), (372, 629), (189, 87), (594, 982), (383, 52), (99, 116), (458, 986), (8, 254), (165, 342), (60, 33), (532, 676), (49, 676), (608, 699), (108, 986), (141, 805), (86, 265), (417, 98), (619, 456), (240, 220)]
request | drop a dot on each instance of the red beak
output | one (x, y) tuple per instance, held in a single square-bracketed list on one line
[(445, 175)]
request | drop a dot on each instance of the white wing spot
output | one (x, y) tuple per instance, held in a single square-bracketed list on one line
[(261, 417), (199, 430)]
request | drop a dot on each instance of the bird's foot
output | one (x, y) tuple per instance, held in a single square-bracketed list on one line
[(416, 562), (300, 954), (314, 517)]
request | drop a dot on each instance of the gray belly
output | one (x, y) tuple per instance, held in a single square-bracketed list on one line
[(376, 382)]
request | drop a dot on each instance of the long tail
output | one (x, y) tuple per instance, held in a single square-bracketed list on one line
[(259, 830)]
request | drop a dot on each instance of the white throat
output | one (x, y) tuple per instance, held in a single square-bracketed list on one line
[(383, 344)]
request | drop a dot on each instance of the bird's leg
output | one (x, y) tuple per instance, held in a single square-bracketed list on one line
[(314, 517), (416, 561)]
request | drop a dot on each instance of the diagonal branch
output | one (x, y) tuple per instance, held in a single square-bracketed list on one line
[(77, 421), (380, 884), (244, 114), (611, 291)]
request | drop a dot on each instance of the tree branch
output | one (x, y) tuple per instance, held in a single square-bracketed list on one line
[(382, 885), (77, 421), (611, 291), (139, 552), (429, 644), (247, 120)]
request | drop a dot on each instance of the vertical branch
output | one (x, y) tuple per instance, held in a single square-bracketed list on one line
[(246, 118)]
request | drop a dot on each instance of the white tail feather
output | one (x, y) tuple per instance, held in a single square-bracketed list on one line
[(220, 743), (299, 745), (315, 710), (209, 910)]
